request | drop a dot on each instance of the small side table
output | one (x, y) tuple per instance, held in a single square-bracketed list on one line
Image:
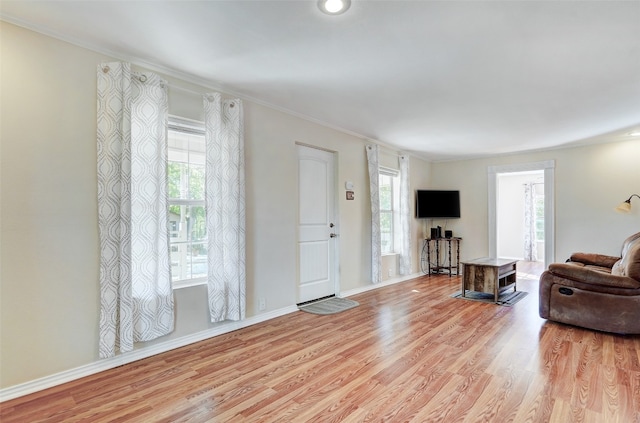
[(489, 275), (449, 246)]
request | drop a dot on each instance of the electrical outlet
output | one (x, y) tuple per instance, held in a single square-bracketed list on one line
[(262, 305)]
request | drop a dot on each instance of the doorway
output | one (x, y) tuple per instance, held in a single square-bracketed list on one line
[(317, 224), (544, 172), (520, 217)]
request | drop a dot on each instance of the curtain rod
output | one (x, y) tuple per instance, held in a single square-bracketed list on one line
[(205, 94), (142, 77), (186, 90)]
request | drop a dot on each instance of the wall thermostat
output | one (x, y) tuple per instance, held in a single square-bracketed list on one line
[(348, 185)]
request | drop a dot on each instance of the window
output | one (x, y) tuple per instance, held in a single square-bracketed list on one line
[(186, 186), (389, 205)]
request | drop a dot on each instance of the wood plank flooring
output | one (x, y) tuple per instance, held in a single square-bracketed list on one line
[(409, 352)]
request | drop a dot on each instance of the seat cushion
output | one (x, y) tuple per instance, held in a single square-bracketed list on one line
[(590, 266)]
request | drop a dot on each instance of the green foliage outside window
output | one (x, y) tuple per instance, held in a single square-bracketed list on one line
[(186, 190), (196, 215)]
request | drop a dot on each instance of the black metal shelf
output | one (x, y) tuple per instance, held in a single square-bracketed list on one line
[(432, 262)]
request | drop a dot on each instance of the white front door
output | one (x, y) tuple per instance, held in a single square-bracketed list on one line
[(317, 231)]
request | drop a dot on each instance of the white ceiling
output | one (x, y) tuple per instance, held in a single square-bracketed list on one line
[(444, 79)]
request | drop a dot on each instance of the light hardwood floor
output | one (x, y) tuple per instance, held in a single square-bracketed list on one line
[(409, 352)]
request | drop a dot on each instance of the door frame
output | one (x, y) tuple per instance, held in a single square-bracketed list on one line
[(336, 215), (548, 167)]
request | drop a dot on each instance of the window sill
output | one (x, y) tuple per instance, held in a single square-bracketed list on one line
[(189, 283), (389, 254)]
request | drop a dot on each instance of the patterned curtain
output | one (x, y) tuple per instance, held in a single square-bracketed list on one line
[(136, 297), (405, 218), (224, 133), (530, 245), (374, 190)]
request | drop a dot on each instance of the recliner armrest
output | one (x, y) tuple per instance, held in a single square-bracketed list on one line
[(593, 277), (594, 259)]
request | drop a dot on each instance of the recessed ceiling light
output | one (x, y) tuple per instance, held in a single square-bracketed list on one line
[(334, 7), (634, 134)]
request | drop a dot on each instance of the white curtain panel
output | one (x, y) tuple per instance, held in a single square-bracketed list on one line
[(374, 190), (530, 247), (225, 202), (405, 217), (136, 297)]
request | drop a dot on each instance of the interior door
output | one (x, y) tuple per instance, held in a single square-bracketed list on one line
[(317, 231)]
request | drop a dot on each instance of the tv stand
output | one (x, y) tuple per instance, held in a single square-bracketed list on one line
[(432, 251)]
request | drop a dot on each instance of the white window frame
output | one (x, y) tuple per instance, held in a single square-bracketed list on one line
[(192, 127), (394, 174)]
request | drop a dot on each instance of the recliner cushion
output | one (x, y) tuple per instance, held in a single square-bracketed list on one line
[(590, 266), (591, 259), (628, 242), (629, 264), (593, 277)]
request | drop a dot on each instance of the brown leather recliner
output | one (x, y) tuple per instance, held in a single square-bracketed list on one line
[(595, 291)]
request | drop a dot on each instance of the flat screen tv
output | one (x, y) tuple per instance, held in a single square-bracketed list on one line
[(436, 204)]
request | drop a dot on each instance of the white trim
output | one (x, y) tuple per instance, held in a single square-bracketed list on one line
[(380, 284), (135, 355), (119, 360), (189, 126), (388, 171), (394, 211), (188, 283), (207, 84), (195, 128), (336, 216), (522, 167), (548, 167)]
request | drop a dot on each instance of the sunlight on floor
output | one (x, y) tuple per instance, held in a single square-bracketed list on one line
[(529, 269)]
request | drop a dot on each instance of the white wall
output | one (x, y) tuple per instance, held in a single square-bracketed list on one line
[(589, 182), (49, 300), (49, 255)]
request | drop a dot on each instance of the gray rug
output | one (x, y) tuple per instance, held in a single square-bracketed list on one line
[(329, 306), (508, 298)]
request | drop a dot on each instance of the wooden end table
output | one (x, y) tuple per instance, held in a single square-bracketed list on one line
[(489, 275)]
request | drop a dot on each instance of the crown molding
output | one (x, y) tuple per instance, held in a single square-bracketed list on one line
[(206, 84)]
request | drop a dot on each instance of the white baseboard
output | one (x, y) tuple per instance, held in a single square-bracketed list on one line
[(129, 357), (380, 285), (135, 355)]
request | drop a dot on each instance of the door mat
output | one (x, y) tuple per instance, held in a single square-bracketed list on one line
[(504, 299), (331, 305)]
